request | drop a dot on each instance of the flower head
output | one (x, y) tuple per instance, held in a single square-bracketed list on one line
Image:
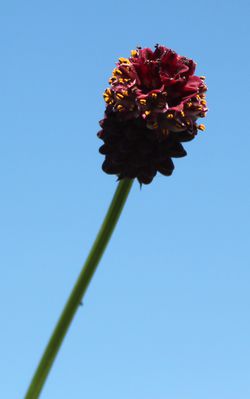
[(152, 106)]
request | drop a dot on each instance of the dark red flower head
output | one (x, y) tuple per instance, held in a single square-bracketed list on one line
[(153, 103)]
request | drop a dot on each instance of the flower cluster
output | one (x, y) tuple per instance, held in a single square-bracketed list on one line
[(152, 106)]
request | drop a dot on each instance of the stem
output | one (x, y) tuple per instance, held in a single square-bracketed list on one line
[(79, 289)]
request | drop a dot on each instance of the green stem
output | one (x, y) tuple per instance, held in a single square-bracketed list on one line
[(79, 289)]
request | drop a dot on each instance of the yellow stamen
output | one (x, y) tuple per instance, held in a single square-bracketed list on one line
[(170, 116), (124, 60), (189, 104), (201, 127), (143, 102), (154, 95), (107, 99), (119, 95), (182, 113), (120, 107), (125, 93), (107, 96), (133, 53), (121, 80), (202, 77), (117, 71), (203, 102), (147, 113)]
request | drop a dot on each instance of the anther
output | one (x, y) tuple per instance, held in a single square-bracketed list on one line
[(117, 72), (124, 60), (120, 107), (201, 127), (133, 53)]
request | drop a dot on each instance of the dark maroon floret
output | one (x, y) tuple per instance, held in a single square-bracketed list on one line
[(153, 103)]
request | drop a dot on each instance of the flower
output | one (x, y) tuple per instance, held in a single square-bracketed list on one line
[(152, 106)]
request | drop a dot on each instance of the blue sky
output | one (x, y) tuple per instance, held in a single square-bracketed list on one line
[(167, 314)]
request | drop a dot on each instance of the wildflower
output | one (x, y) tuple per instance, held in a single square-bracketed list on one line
[(152, 106)]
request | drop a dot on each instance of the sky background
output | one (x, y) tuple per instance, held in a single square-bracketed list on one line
[(167, 313)]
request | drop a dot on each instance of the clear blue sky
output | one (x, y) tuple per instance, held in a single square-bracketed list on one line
[(167, 314)]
